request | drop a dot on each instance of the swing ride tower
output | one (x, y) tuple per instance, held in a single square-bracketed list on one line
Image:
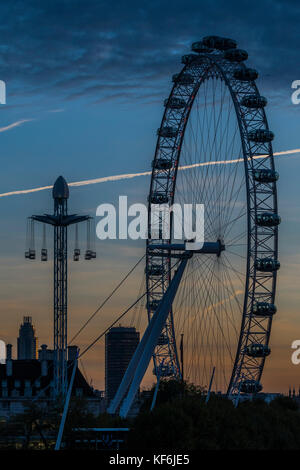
[(60, 220)]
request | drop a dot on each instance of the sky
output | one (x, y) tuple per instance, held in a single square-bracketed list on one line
[(85, 84)]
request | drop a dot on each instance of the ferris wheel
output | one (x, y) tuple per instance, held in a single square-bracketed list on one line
[(217, 299), (214, 147)]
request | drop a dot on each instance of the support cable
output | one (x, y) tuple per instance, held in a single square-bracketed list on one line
[(28, 234), (71, 364), (32, 240), (85, 324), (107, 299), (44, 245), (122, 314), (76, 237)]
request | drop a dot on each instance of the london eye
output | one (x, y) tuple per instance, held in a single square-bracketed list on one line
[(214, 147)]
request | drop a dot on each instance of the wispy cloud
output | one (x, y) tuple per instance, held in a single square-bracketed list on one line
[(106, 179), (15, 124), (58, 110)]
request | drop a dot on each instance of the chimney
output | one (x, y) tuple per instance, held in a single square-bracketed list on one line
[(44, 362), (9, 360)]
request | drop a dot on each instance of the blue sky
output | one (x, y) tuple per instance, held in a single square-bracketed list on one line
[(90, 77)]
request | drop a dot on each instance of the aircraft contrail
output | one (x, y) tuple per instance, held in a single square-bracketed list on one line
[(106, 179), (15, 124)]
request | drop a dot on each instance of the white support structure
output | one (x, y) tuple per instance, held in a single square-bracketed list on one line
[(66, 407), (127, 378), (157, 386), (144, 352), (210, 385)]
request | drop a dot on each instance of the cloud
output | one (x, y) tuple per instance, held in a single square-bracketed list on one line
[(88, 48), (58, 110), (15, 124)]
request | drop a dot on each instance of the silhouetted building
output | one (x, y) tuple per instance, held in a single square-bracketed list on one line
[(120, 344), (26, 379), (27, 341)]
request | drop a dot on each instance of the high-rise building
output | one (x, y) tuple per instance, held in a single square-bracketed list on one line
[(120, 345), (27, 341)]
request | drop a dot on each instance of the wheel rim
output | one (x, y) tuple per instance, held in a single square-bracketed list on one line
[(214, 303)]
